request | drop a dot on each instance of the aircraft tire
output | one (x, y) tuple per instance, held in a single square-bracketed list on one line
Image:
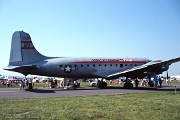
[(128, 85), (102, 85), (74, 87)]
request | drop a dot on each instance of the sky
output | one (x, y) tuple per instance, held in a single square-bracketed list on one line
[(94, 28)]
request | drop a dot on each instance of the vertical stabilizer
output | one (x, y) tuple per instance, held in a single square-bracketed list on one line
[(23, 51)]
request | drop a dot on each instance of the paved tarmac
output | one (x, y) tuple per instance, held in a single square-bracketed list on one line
[(14, 93)]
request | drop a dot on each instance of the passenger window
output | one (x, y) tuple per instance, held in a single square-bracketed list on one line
[(99, 65), (111, 65), (135, 64), (94, 65), (125, 64), (81, 65), (130, 64), (105, 65), (121, 65), (116, 65), (87, 65), (75, 65)]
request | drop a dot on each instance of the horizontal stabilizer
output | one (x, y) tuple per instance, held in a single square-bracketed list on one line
[(21, 68)]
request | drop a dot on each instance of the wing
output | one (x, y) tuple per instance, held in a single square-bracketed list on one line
[(156, 67)]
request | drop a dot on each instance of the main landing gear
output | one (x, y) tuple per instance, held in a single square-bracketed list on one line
[(101, 84), (128, 84)]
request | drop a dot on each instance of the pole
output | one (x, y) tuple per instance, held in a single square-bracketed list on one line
[(174, 89)]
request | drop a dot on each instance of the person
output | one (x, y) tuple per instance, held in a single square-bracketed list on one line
[(55, 82), (20, 84), (98, 83), (23, 84), (59, 84), (27, 84), (160, 82), (52, 84), (167, 81), (34, 83), (110, 82), (30, 84), (16, 82), (8, 83), (11, 83), (155, 81), (1, 84), (136, 83), (75, 83)]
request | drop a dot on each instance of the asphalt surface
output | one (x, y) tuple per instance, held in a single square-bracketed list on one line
[(14, 93)]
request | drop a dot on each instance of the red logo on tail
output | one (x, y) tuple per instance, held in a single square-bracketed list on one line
[(27, 44)]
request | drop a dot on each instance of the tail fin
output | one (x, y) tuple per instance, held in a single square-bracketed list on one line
[(23, 51)]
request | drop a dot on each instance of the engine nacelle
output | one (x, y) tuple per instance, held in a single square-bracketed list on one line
[(158, 69), (164, 68), (161, 69)]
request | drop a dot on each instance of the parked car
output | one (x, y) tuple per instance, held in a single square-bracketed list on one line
[(93, 84)]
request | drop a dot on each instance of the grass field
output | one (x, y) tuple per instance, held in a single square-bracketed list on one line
[(147, 106)]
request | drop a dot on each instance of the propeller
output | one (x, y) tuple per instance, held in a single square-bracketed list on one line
[(167, 76)]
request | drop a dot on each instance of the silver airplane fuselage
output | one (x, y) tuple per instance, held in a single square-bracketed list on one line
[(84, 67)]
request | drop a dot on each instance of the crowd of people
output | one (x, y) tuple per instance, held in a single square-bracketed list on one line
[(8, 83), (23, 84), (153, 82)]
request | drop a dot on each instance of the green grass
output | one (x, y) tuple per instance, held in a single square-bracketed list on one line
[(84, 84), (149, 106), (174, 82)]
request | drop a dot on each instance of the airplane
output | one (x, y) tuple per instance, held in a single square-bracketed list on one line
[(3, 77), (175, 77), (25, 59)]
